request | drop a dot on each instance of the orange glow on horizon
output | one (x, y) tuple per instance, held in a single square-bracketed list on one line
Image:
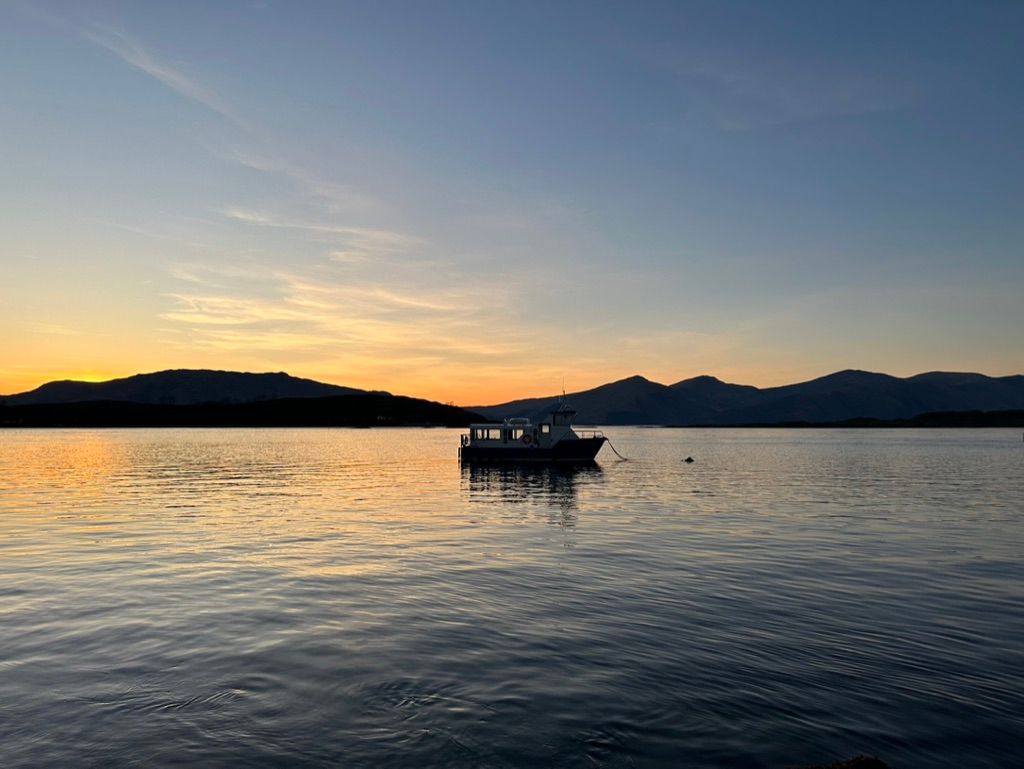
[(91, 376), (452, 384), (464, 385), (14, 383), (442, 389)]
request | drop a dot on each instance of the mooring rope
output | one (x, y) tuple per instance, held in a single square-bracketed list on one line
[(624, 459)]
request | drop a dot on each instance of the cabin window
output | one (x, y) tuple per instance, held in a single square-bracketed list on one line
[(493, 434), (515, 433), (545, 429)]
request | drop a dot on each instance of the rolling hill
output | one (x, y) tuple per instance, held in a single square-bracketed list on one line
[(201, 398), (844, 395), (182, 387), (188, 396)]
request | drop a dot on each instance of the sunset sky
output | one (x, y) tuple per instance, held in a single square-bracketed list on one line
[(472, 201)]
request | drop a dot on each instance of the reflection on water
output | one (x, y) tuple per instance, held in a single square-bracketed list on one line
[(551, 489), (515, 483), (355, 597)]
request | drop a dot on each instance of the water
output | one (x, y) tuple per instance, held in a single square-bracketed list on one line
[(267, 598)]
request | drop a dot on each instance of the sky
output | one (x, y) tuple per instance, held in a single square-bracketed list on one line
[(478, 201)]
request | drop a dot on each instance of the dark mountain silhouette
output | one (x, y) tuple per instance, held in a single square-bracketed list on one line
[(835, 398), (182, 387), (200, 398), (193, 397)]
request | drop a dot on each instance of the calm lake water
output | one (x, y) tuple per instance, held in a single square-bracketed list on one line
[(266, 598)]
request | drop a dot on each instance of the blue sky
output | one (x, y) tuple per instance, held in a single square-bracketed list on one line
[(469, 201)]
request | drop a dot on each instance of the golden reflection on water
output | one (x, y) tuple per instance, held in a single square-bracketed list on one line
[(272, 497)]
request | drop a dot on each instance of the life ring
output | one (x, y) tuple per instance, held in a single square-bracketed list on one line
[(527, 439)]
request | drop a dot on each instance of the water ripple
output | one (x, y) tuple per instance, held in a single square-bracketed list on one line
[(251, 598)]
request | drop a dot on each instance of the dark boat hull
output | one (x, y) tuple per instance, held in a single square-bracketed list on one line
[(582, 450)]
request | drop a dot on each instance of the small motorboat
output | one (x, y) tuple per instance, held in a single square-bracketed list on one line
[(552, 439)]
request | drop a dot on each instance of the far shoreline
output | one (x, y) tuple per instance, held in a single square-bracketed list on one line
[(934, 419), (369, 410)]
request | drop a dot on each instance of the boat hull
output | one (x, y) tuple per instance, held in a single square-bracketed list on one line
[(582, 450)]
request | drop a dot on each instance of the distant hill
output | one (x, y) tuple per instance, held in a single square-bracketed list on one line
[(835, 398), (359, 410), (704, 400), (182, 387), (201, 398)]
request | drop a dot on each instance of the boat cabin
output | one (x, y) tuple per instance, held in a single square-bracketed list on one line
[(520, 431)]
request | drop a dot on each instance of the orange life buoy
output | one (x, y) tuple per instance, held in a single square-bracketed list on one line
[(527, 438)]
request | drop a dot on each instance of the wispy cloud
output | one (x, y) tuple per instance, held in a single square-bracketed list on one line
[(132, 52), (347, 244), (356, 243), (217, 275), (333, 197), (214, 310), (336, 197), (50, 329), (743, 90), (266, 220), (149, 232), (361, 323), (311, 303)]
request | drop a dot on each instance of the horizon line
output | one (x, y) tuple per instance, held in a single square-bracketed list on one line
[(618, 380)]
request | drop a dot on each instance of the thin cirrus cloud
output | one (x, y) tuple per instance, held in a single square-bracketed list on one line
[(304, 305), (351, 244), (303, 316), (336, 198), (358, 322), (357, 243), (50, 329), (741, 91), (133, 53)]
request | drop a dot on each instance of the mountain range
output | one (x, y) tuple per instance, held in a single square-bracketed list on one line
[(200, 398), (702, 400), (845, 395), (182, 387)]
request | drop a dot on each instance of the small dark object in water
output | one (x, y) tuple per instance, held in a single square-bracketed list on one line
[(688, 460), (860, 762)]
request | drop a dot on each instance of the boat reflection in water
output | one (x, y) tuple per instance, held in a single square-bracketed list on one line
[(547, 489)]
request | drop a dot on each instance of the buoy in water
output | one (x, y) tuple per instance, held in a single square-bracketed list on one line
[(688, 460)]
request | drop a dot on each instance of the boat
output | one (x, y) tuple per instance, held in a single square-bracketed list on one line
[(552, 439)]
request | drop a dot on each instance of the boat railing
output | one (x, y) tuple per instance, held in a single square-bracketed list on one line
[(590, 433)]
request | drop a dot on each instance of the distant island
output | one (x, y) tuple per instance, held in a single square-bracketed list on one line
[(182, 387), (834, 400), (197, 398)]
